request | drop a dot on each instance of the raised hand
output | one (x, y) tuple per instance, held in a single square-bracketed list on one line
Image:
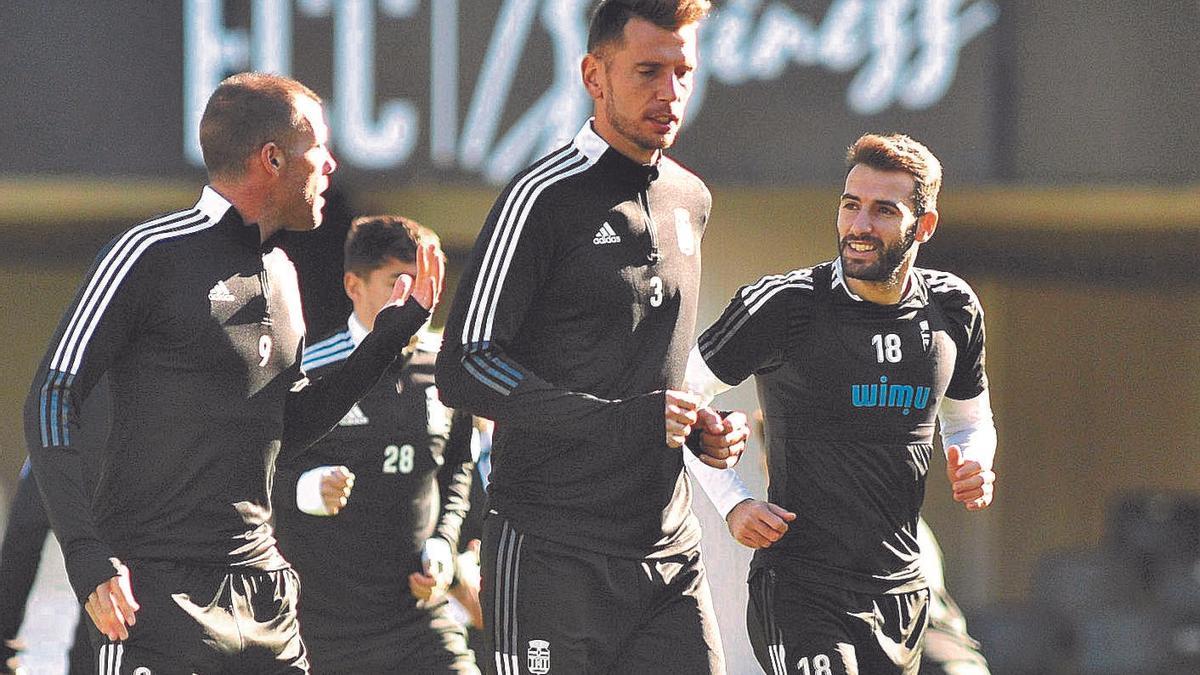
[(426, 289)]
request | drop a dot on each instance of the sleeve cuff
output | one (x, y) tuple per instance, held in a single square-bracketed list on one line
[(308, 492), (723, 487)]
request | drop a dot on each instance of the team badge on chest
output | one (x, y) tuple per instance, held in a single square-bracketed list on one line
[(684, 234)]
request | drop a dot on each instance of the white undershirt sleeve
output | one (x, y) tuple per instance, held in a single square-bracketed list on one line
[(700, 379), (308, 491), (968, 424), (723, 487)]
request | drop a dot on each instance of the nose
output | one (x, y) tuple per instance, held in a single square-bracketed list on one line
[(861, 222), (330, 164), (671, 86)]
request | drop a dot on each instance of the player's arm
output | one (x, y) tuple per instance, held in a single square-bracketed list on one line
[(454, 482), (965, 414), (969, 439), (20, 555), (752, 522), (320, 490), (98, 325), (747, 338), (454, 479), (314, 407), (475, 370)]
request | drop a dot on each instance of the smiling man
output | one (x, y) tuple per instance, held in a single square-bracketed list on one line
[(195, 316), (570, 330), (854, 359)]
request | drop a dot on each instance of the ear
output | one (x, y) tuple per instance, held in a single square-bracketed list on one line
[(270, 158), (926, 225), (592, 70), (353, 285)]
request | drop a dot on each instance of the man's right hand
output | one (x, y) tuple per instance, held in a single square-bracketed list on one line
[(324, 490), (426, 289), (111, 606), (681, 414), (758, 524)]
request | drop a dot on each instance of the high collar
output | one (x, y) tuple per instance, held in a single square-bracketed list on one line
[(612, 162), (357, 330), (839, 281), (230, 222)]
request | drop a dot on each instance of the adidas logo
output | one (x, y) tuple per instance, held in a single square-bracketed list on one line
[(220, 293), (354, 418), (606, 235)]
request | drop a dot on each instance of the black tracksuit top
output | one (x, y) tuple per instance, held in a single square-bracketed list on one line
[(412, 465), (199, 326), (576, 312)]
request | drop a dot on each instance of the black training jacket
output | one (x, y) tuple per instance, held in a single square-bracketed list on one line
[(198, 325), (412, 465), (575, 313)]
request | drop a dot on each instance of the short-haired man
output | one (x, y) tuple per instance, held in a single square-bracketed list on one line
[(196, 318), (370, 516), (854, 358), (570, 330)]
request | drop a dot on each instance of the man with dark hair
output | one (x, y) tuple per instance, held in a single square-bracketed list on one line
[(370, 517), (570, 330), (854, 358), (195, 316)]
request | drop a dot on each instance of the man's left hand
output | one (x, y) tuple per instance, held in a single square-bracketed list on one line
[(972, 486), (722, 440)]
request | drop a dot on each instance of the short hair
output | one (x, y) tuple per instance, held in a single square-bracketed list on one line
[(247, 111), (373, 240), (897, 152), (608, 21)]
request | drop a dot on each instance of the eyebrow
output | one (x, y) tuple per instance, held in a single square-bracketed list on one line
[(885, 202)]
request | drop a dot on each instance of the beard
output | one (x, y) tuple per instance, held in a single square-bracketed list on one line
[(886, 266), (628, 128)]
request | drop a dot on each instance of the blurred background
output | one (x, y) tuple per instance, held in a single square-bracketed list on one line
[(1068, 133)]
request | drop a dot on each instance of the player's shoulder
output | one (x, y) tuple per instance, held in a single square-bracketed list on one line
[(327, 351), (675, 171), (948, 289), (155, 236), (795, 286)]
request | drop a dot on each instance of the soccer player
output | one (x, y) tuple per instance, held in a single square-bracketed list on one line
[(854, 358), (570, 330), (377, 505), (195, 316)]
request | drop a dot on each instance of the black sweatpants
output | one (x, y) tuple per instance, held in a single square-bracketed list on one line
[(552, 608), (812, 629), (208, 620)]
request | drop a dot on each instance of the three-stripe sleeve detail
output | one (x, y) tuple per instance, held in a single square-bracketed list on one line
[(504, 625), (93, 302), (479, 359), (753, 298), (332, 349)]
